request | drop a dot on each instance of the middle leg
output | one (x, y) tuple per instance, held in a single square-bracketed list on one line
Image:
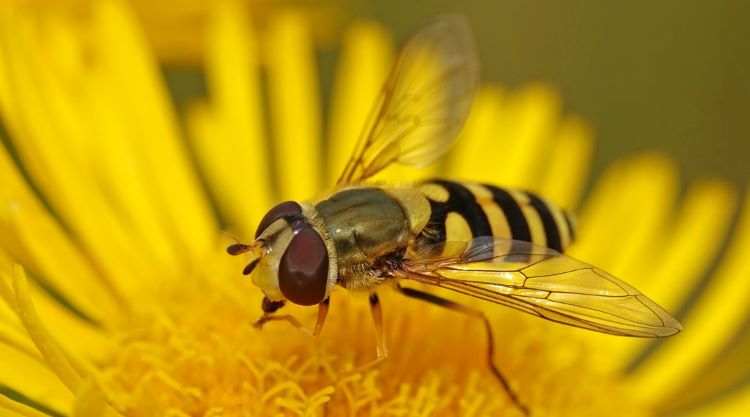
[(381, 348), (442, 302)]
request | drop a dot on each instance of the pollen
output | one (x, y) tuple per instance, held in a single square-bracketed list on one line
[(199, 355)]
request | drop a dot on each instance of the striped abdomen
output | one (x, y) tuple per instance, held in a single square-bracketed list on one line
[(462, 211)]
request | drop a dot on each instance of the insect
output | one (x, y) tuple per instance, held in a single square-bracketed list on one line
[(499, 245)]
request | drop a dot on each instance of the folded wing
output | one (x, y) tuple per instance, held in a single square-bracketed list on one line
[(542, 282)]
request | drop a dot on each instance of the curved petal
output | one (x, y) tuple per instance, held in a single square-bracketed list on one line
[(135, 77), (681, 360), (736, 403), (55, 258), (671, 264), (229, 134), (10, 408), (294, 106), (56, 359), (477, 153), (568, 165), (362, 68), (530, 117)]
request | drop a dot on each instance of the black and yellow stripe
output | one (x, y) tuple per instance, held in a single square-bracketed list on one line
[(461, 211)]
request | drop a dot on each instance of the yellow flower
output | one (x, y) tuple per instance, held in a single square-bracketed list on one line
[(113, 204), (176, 30)]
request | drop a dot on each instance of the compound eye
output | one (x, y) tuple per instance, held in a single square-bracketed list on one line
[(287, 208), (303, 270)]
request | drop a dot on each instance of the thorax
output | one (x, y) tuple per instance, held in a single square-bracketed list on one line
[(366, 224)]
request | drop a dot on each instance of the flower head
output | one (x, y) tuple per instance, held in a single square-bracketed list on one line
[(119, 299)]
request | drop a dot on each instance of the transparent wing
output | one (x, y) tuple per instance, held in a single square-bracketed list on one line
[(540, 281), (424, 102)]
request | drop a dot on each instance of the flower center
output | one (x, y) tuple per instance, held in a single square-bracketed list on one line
[(192, 351)]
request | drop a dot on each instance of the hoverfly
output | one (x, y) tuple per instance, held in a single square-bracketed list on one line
[(363, 235)]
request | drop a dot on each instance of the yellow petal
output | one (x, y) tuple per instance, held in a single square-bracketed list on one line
[(681, 359), (12, 332), (55, 258), (736, 403), (679, 256), (118, 164), (294, 106), (528, 121), (362, 68), (10, 408), (568, 165), (230, 138), (5, 108), (55, 358), (697, 234), (726, 373), (624, 212), (619, 224), (647, 203), (478, 154), (85, 342), (32, 378), (135, 78), (13, 335), (42, 132), (90, 402)]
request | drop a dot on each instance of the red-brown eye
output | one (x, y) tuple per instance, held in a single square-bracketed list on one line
[(287, 208), (303, 270)]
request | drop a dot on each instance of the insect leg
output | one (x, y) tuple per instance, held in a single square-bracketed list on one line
[(283, 317), (377, 318), (382, 349), (322, 313), (442, 302)]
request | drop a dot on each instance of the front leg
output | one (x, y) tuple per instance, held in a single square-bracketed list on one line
[(269, 307), (282, 317)]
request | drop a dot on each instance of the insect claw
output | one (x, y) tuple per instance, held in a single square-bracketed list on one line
[(258, 324)]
